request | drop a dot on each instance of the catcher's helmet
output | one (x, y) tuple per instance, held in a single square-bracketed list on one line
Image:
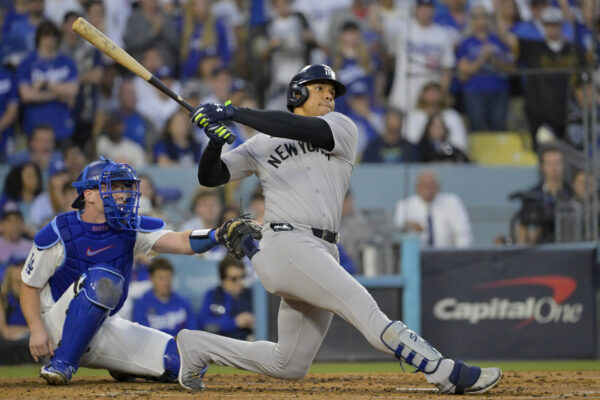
[(99, 175), (297, 92)]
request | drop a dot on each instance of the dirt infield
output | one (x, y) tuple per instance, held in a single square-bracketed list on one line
[(514, 385)]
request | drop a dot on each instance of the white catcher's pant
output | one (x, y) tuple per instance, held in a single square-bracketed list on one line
[(305, 271), (119, 345)]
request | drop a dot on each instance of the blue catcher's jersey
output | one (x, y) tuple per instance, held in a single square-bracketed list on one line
[(86, 245)]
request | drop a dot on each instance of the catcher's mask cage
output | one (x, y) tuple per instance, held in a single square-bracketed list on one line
[(102, 175), (298, 93)]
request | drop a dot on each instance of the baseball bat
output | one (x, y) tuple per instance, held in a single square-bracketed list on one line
[(110, 48)]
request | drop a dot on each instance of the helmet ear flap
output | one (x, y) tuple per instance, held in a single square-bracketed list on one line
[(297, 94)]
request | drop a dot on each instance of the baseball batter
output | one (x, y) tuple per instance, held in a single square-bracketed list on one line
[(77, 275), (304, 163)]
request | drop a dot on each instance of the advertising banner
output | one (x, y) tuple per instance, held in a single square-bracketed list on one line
[(534, 303)]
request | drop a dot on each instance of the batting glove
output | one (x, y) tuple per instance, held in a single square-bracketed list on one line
[(210, 113), (217, 133)]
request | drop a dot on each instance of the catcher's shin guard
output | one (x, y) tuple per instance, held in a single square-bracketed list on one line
[(411, 348)]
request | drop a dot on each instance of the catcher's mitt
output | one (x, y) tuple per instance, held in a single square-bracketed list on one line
[(232, 234)]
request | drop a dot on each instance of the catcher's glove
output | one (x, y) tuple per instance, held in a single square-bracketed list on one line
[(236, 235)]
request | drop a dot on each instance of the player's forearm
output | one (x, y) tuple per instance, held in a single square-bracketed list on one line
[(282, 124), (211, 170), (31, 307)]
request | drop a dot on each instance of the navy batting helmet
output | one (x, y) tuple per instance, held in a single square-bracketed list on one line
[(297, 92)]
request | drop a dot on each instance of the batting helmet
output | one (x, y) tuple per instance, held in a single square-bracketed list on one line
[(100, 175), (297, 92)]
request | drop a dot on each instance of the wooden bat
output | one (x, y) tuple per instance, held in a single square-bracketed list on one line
[(110, 48)]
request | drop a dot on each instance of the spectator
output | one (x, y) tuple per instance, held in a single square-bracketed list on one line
[(285, 46), (580, 109), (177, 145), (56, 10), (69, 194), (368, 119), (197, 86), (202, 35), (9, 108), (435, 145), (440, 219), (89, 68), (161, 308), (12, 232), (221, 84), (390, 147), (577, 213), (48, 85), (482, 58), (424, 53), (153, 104), (49, 203), (532, 26), (117, 15), (114, 145), (536, 216), (433, 101), (12, 322), (75, 161), (150, 202), (206, 208), (137, 128), (354, 63), (42, 149), (257, 206), (227, 309), (149, 26), (18, 38), (244, 132), (545, 95), (355, 229), (16, 11), (453, 15), (23, 183)]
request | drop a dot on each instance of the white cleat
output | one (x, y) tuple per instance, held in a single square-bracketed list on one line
[(462, 378)]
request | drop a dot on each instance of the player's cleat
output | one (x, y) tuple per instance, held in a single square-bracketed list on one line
[(467, 379), (189, 377), (56, 373)]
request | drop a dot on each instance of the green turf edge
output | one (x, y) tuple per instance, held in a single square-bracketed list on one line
[(31, 370)]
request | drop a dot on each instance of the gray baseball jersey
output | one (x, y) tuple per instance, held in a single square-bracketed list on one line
[(302, 183), (304, 186)]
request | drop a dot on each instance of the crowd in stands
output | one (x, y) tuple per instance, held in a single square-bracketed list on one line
[(421, 77)]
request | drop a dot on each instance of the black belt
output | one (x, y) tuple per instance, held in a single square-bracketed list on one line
[(325, 234)]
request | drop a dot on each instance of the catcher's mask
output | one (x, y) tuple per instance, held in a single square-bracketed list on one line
[(298, 93), (111, 179)]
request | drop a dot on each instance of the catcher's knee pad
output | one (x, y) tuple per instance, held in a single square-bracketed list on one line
[(410, 347), (103, 286)]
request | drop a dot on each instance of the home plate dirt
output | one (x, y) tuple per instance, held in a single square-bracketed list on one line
[(514, 385)]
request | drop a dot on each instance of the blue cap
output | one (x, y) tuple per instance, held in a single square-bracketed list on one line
[(56, 167), (425, 2), (10, 207), (358, 88)]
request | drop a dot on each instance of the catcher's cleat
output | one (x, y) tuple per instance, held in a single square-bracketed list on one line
[(189, 377), (468, 379), (56, 373)]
